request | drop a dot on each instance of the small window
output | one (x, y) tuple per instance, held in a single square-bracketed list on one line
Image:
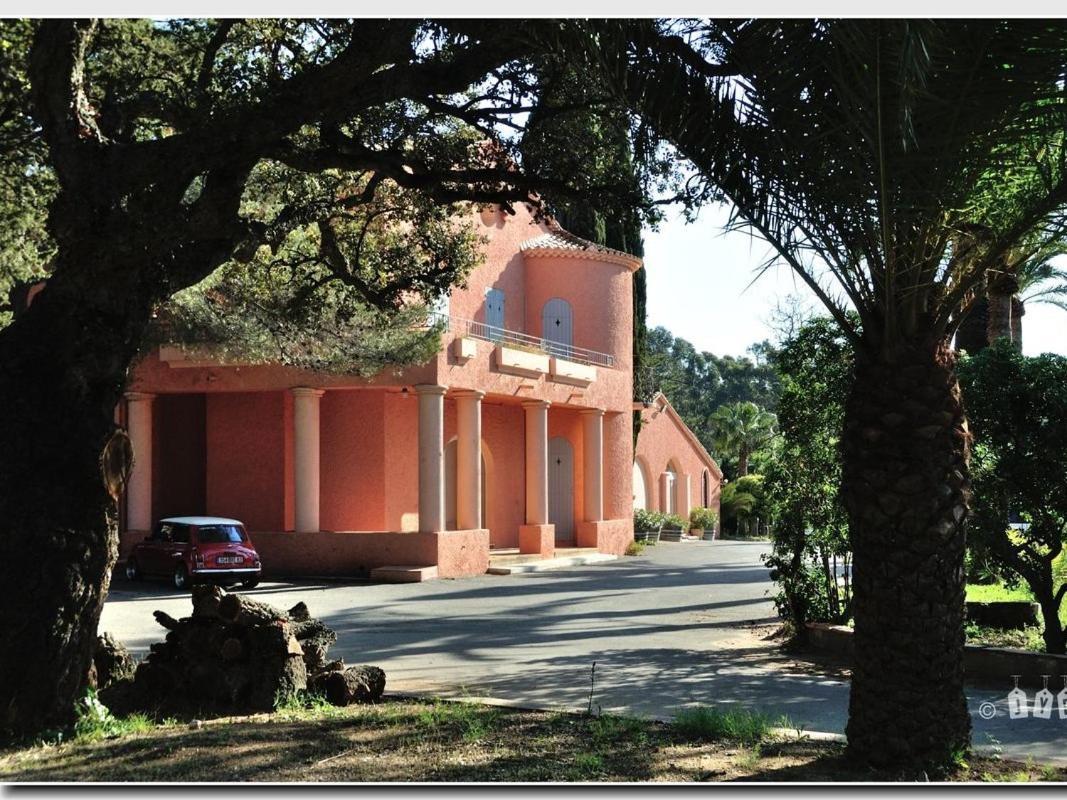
[(180, 534), (163, 532), (705, 489), (220, 534)]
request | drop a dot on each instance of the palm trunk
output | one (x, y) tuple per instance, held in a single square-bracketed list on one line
[(906, 487), (973, 332), (742, 462), (1018, 309), (1000, 291)]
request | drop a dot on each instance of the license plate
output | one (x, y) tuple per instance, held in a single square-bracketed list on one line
[(229, 560)]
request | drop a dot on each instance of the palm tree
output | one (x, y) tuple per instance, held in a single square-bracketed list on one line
[(862, 151), (740, 429), (1028, 274)]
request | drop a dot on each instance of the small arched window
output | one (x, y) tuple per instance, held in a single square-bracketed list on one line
[(705, 489)]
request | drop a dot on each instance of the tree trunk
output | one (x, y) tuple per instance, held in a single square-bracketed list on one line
[(906, 486), (1001, 289), (1052, 629), (1018, 309), (742, 462), (63, 364), (973, 332)]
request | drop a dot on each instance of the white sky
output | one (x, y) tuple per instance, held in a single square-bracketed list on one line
[(698, 288)]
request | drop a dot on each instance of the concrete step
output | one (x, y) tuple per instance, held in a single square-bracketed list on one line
[(505, 558), (544, 564), (403, 574)]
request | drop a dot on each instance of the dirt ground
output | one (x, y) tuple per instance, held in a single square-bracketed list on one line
[(403, 740)]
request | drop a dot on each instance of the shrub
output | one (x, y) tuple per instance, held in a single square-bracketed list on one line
[(635, 548), (675, 523), (648, 520), (703, 518)]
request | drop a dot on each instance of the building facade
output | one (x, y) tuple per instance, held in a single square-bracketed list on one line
[(517, 435)]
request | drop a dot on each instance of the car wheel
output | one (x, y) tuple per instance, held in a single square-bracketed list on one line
[(132, 572), (251, 583), (181, 577)]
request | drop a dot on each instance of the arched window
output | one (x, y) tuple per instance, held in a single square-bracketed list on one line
[(705, 489), (556, 327), (641, 493)]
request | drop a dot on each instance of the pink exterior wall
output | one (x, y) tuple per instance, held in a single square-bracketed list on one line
[(352, 455), (456, 554), (246, 464), (663, 439)]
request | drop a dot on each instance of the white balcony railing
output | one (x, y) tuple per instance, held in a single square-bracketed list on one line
[(491, 333)]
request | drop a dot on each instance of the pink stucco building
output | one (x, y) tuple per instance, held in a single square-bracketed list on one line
[(516, 436)]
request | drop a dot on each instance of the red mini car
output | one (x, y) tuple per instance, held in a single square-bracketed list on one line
[(197, 549)]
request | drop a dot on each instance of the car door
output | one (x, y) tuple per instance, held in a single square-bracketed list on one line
[(148, 555), (177, 548)]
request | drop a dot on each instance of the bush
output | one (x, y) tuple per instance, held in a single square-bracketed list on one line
[(635, 548), (648, 520), (675, 523), (703, 518)]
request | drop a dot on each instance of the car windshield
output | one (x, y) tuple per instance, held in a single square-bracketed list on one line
[(220, 534)]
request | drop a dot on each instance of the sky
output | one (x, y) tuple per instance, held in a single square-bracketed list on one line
[(699, 289)]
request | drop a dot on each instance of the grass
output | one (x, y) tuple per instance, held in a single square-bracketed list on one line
[(635, 548), (997, 593), (434, 740), (708, 724)]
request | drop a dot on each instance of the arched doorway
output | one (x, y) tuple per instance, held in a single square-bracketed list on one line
[(561, 487), (641, 488), (450, 487)]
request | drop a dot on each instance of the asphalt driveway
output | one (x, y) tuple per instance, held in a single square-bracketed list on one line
[(666, 629)]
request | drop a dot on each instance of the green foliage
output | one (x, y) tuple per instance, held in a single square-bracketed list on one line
[(635, 548), (648, 520), (703, 518), (710, 724), (740, 429), (344, 294), (1017, 409), (811, 543), (674, 523), (697, 383), (94, 721)]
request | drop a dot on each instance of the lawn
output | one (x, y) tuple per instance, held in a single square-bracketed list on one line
[(1025, 639), (415, 740)]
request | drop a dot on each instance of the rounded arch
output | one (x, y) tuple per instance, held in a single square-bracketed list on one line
[(450, 483), (705, 488), (642, 484)]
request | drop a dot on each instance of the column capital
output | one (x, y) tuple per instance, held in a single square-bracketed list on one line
[(135, 397), (306, 391), (536, 403), (476, 394), (430, 388), (592, 412)]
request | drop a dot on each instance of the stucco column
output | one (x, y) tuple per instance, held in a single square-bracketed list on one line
[(536, 461), (431, 457), (683, 497), (139, 485), (666, 489), (468, 459), (306, 458), (593, 463)]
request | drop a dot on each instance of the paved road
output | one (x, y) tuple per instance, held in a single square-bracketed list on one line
[(666, 629)]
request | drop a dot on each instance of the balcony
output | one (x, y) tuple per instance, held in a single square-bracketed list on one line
[(558, 353)]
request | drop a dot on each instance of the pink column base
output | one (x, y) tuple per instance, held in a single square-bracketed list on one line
[(607, 536), (538, 539)]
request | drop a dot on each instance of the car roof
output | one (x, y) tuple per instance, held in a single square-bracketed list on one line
[(198, 521)]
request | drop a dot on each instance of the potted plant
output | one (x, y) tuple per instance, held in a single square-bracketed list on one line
[(647, 524), (702, 522)]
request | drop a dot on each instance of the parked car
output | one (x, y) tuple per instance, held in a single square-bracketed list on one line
[(197, 549)]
